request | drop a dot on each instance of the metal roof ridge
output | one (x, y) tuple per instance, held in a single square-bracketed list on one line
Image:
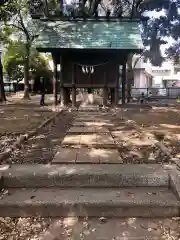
[(99, 19)]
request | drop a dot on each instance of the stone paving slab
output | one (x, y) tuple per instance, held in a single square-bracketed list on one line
[(83, 175), (101, 130), (84, 119), (112, 228), (110, 156), (121, 127), (92, 140), (92, 123), (85, 114), (83, 202), (78, 124), (88, 139), (104, 139), (98, 124), (88, 129), (71, 140), (86, 155), (75, 130), (88, 124), (65, 155)]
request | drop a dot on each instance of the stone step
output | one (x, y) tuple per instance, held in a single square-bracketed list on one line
[(112, 202), (84, 175)]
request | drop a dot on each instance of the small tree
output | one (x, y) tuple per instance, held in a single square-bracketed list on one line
[(15, 16), (14, 58)]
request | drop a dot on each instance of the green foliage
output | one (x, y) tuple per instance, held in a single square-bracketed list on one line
[(13, 61), (16, 20), (153, 32)]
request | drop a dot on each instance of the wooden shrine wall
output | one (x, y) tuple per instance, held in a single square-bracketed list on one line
[(105, 72)]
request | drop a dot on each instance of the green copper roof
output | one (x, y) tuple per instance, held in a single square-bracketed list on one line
[(90, 35)]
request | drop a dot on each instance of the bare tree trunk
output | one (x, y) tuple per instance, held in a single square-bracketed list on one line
[(61, 7), (26, 72), (2, 91)]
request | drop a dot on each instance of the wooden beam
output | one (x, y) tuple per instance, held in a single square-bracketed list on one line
[(110, 85), (105, 96), (58, 17)]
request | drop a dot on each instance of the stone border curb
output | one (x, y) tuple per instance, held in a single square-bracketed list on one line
[(174, 182), (176, 161), (4, 155), (160, 145)]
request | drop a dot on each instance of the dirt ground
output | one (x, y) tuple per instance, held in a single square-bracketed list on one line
[(19, 116), (23, 228), (87, 229), (163, 120)]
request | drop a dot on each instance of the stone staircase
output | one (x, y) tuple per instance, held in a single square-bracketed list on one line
[(103, 190)]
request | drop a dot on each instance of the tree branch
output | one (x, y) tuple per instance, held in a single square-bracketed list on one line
[(23, 26), (132, 9), (14, 26), (136, 61), (138, 4)]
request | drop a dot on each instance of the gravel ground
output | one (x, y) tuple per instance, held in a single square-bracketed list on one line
[(6, 141), (92, 228), (23, 228), (42, 147)]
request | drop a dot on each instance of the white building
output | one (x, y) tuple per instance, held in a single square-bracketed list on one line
[(146, 75), (142, 73)]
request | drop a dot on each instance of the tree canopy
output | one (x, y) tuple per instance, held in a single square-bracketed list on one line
[(17, 22), (153, 32), (13, 62)]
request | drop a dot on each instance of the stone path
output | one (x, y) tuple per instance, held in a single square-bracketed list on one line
[(99, 137), (88, 137)]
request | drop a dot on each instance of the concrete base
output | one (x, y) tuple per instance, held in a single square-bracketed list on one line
[(88, 108), (90, 98), (175, 182), (85, 175), (88, 190), (113, 202), (97, 140)]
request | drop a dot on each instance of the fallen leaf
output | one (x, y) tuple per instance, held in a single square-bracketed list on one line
[(102, 219)]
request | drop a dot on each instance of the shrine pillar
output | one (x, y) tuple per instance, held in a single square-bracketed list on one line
[(73, 87), (55, 79), (124, 82)]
